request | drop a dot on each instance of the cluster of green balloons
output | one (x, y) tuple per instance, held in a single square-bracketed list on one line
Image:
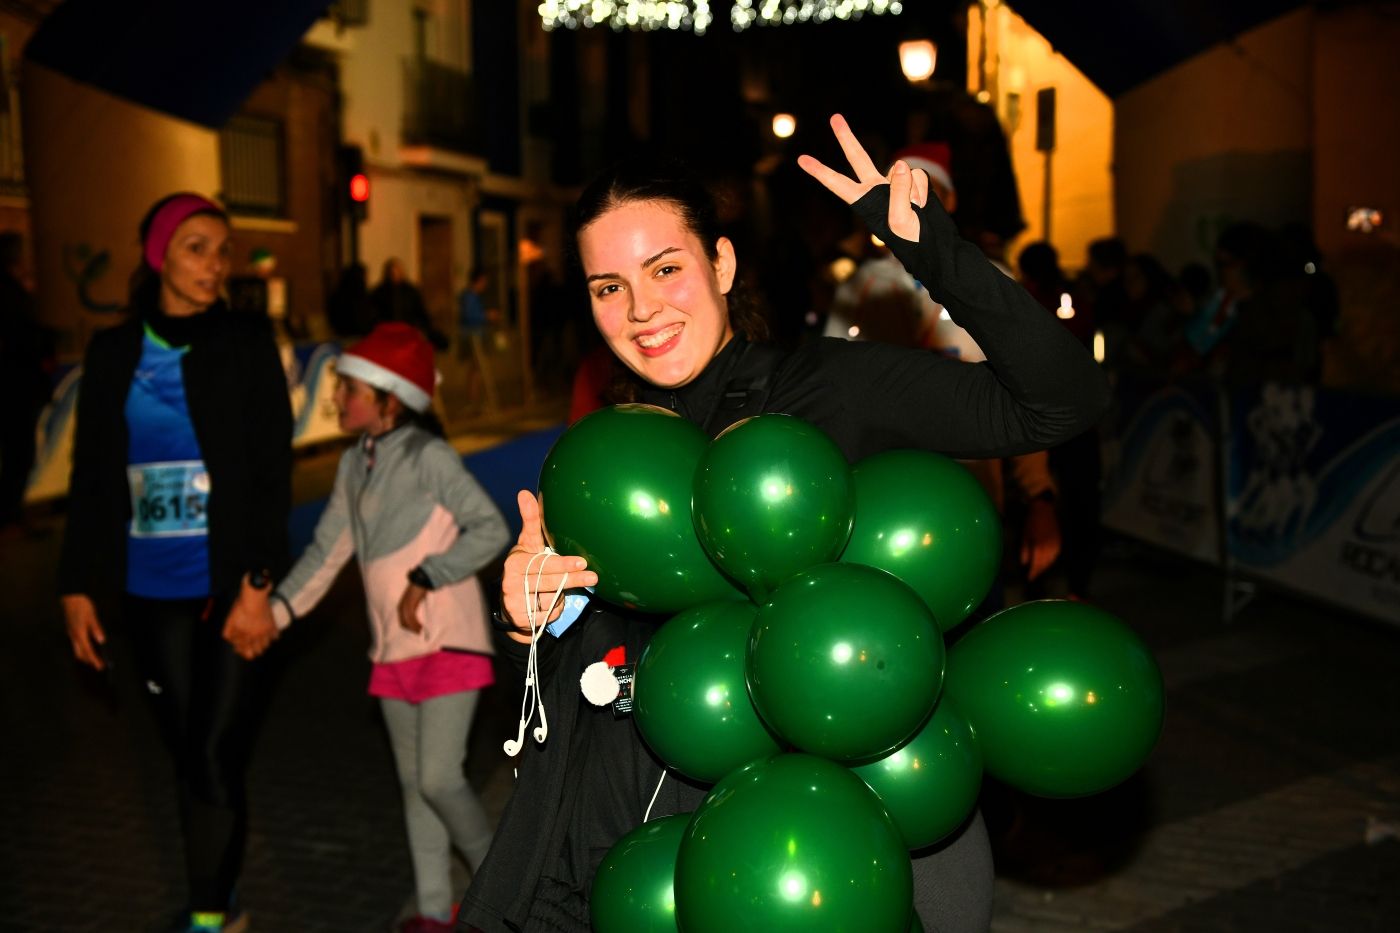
[(804, 672)]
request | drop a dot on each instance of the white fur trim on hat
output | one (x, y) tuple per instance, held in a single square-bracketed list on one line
[(357, 367)]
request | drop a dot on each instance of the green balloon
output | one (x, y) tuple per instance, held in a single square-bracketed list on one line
[(689, 699), (915, 924), (930, 784), (794, 843), (1065, 699), (773, 495), (616, 490), (927, 520), (634, 889), (845, 662)]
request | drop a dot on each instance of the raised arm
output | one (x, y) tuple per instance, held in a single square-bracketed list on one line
[(1038, 387)]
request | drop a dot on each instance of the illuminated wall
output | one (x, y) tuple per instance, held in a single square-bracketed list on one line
[(1223, 137), (1356, 145), (405, 183), (95, 164), (1010, 62)]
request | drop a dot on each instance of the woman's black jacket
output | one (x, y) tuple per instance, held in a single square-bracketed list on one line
[(238, 403)]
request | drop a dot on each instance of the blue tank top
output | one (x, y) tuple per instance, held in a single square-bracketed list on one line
[(167, 553)]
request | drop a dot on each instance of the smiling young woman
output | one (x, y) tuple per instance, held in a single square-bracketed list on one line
[(661, 279)]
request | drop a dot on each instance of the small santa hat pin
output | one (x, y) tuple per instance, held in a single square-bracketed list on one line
[(599, 683)]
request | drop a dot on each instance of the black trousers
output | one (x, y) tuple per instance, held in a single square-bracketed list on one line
[(17, 450), (205, 700)]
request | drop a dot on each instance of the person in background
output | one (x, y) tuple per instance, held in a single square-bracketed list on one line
[(1306, 277), (180, 492), (1153, 301), (349, 309), (1039, 264), (1098, 293), (26, 361), (421, 527), (1269, 335), (474, 319), (395, 298)]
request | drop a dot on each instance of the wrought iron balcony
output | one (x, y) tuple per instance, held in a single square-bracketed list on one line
[(441, 107)]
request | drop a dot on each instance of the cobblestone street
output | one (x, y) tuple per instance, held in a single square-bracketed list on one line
[(1271, 803)]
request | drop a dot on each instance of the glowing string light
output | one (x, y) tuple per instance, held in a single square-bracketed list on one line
[(645, 15), (746, 13)]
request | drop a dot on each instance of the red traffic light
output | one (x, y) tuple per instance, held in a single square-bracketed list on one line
[(359, 188)]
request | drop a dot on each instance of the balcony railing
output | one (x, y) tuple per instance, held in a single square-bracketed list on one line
[(441, 107), (349, 12)]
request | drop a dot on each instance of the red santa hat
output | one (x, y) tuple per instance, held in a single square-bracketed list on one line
[(934, 158), (397, 358)]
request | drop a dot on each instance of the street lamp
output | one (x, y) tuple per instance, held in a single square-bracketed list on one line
[(917, 58), (784, 125)]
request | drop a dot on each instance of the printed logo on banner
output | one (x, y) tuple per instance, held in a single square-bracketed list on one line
[(1163, 488), (1279, 493), (1374, 553), (1172, 469), (1315, 495), (1380, 517)]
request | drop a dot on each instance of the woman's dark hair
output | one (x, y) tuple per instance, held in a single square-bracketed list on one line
[(419, 419), (671, 181), (143, 289)]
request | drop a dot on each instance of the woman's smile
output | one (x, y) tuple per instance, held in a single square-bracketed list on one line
[(663, 340)]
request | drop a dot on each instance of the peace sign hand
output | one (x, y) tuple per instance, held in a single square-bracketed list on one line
[(907, 189)]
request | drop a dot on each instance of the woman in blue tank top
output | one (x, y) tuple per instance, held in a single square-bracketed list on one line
[(180, 489)]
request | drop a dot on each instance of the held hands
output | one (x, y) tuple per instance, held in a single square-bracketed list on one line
[(84, 631), (249, 627), (907, 188), (546, 574)]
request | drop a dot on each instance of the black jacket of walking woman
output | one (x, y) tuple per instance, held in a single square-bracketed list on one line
[(238, 404), (593, 779)]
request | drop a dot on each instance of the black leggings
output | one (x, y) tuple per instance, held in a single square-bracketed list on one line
[(203, 695)]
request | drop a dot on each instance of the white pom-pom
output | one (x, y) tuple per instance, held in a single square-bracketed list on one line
[(599, 685)]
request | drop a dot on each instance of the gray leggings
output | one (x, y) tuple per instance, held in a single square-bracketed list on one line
[(953, 881), (440, 809)]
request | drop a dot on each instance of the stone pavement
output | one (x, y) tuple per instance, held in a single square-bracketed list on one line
[(1271, 803)]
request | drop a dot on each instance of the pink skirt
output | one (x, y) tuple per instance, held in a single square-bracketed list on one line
[(431, 675)]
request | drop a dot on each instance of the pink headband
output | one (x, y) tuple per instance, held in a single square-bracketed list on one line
[(167, 220)]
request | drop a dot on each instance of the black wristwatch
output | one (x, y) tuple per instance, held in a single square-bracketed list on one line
[(418, 577), (500, 623)]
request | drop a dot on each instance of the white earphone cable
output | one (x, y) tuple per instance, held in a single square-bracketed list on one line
[(532, 700)]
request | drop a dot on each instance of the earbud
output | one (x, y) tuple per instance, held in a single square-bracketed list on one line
[(512, 746)]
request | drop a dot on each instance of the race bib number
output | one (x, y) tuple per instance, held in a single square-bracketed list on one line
[(169, 500)]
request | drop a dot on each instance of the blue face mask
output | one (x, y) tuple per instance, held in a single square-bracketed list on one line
[(575, 601)]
